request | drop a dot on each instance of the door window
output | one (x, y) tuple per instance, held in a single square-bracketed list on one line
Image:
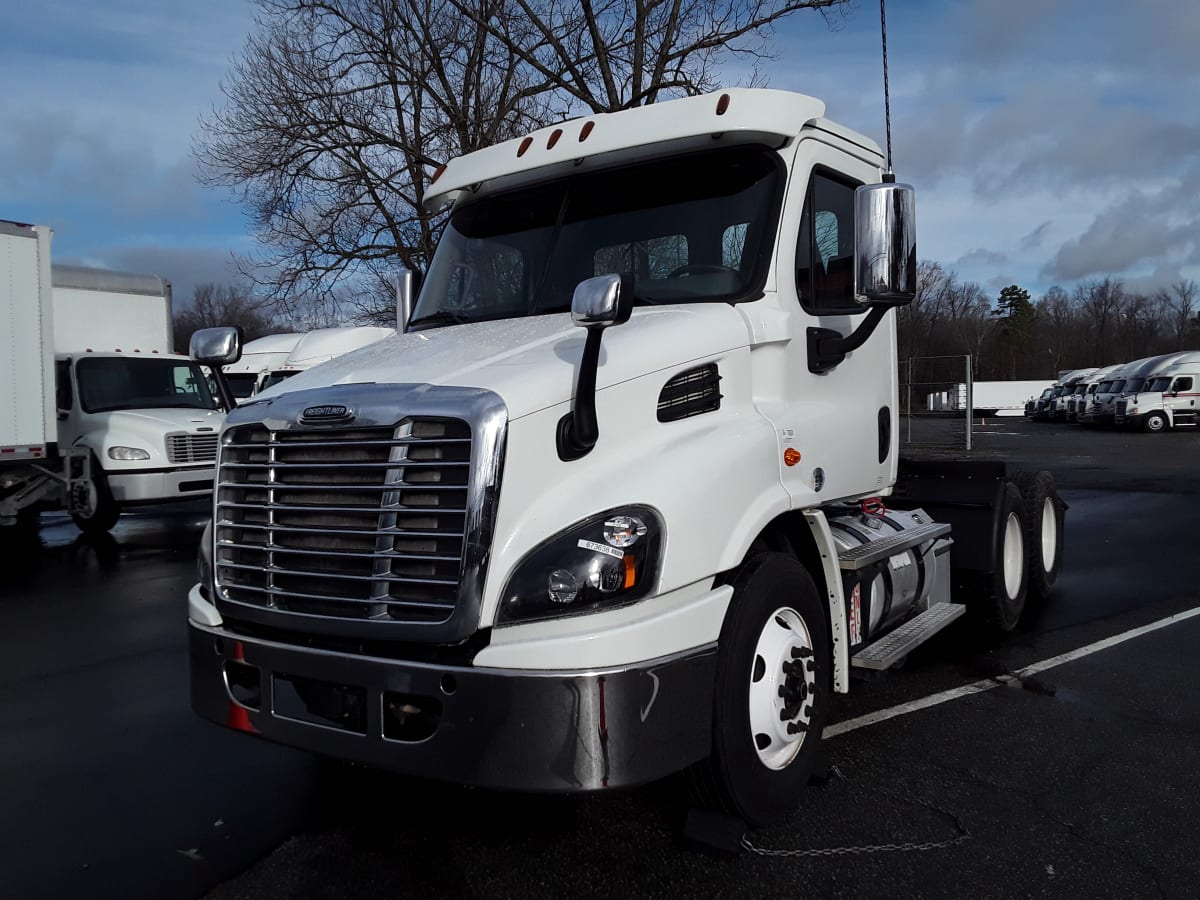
[(825, 252), (1183, 383)]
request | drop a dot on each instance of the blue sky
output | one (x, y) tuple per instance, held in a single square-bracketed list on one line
[(1049, 140)]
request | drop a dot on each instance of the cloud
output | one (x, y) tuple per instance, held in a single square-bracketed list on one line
[(1033, 240), (185, 268), (982, 257)]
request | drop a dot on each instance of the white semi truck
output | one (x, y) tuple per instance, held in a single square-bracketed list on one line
[(1166, 399), (101, 414), (611, 506), (249, 374), (320, 346)]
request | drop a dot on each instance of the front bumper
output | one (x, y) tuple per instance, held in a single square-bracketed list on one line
[(517, 729), (153, 485)]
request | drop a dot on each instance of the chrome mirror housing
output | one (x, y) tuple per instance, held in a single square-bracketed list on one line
[(216, 346), (602, 301), (885, 244)]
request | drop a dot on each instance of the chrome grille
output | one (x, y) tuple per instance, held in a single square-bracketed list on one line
[(191, 448), (352, 523), (1122, 405)]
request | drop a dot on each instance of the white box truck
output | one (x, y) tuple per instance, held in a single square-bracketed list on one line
[(130, 422), (611, 506)]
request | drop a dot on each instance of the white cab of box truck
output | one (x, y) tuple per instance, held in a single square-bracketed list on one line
[(249, 374), (611, 506), (1166, 399), (322, 345), (146, 416)]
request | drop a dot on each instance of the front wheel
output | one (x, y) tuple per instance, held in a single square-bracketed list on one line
[(95, 509), (1155, 422), (771, 695)]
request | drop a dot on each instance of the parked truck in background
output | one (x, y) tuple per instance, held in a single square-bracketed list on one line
[(249, 374), (1166, 399), (1081, 397), (612, 505), (132, 422), (322, 345)]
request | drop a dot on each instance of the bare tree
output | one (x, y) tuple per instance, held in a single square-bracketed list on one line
[(606, 55), (1179, 305), (338, 113), (221, 304)]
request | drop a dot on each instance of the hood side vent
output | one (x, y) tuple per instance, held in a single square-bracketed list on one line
[(690, 393)]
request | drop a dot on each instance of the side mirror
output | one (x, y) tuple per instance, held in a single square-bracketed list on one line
[(597, 303), (216, 346), (885, 244), (602, 301)]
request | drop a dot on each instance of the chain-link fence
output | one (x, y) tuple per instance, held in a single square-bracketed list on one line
[(935, 403)]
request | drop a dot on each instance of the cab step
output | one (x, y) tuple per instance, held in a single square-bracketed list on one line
[(870, 552), (895, 645)]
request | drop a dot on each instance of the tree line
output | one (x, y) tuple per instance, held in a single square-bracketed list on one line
[(1016, 336)]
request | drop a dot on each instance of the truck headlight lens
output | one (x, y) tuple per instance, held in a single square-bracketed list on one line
[(606, 561), (128, 453)]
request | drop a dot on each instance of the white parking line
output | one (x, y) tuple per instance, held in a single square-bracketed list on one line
[(987, 684)]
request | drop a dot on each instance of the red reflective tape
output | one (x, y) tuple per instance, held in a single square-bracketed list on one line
[(239, 718), (239, 653)]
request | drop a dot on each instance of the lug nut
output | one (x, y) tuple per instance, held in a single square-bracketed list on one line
[(801, 652), (797, 728)]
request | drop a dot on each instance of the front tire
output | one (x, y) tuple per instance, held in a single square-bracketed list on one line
[(100, 511), (771, 695), (1155, 422)]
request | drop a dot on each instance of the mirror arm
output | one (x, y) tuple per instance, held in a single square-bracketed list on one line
[(578, 430), (224, 394), (828, 348)]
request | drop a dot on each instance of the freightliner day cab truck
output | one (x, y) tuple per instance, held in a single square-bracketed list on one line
[(610, 506), (101, 413)]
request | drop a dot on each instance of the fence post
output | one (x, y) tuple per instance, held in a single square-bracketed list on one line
[(970, 402)]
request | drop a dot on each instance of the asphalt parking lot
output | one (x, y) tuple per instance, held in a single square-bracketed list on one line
[(1074, 780)]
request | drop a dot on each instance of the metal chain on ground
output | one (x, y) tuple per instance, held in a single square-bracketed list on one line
[(906, 846)]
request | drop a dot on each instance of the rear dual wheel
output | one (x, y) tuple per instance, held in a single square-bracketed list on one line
[(1045, 521)]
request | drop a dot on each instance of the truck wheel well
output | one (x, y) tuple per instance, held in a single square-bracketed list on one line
[(787, 533)]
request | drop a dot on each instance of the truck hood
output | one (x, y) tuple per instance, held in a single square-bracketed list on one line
[(531, 363), (143, 428)]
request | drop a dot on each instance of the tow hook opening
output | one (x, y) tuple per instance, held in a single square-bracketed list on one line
[(410, 717), (244, 683)]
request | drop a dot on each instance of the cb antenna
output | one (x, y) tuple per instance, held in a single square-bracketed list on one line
[(889, 176)]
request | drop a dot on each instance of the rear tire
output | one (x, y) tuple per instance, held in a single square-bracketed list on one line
[(103, 511), (999, 596), (771, 694), (1045, 522)]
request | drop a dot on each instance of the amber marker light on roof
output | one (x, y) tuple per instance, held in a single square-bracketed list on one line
[(524, 146), (722, 104), (554, 136), (586, 130), (438, 173)]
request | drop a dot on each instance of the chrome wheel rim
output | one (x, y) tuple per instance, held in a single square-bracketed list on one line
[(1049, 534), (1013, 555), (783, 682)]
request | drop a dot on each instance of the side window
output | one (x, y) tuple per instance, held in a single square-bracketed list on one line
[(64, 396), (825, 252), (1183, 384)]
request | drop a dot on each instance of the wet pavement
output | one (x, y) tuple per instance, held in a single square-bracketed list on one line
[(1079, 781)]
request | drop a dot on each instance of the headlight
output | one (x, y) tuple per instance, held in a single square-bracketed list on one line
[(204, 562), (128, 453), (606, 561)]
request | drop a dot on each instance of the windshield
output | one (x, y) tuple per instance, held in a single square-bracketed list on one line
[(690, 229), (1131, 386), (1159, 384), (242, 384), (275, 377), (108, 383), (1116, 386), (1082, 389)]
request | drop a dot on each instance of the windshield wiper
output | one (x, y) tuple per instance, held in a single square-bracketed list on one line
[(441, 318)]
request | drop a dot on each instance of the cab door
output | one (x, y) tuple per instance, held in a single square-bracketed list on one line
[(1181, 404)]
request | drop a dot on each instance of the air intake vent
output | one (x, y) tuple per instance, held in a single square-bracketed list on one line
[(690, 393)]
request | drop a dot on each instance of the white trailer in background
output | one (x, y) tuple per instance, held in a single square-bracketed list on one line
[(248, 375), (989, 398)]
